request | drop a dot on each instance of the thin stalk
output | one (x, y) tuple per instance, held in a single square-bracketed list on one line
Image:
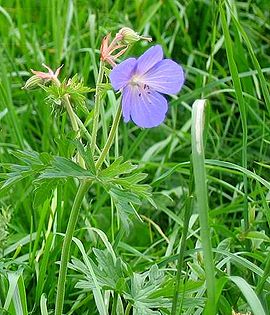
[(82, 188), (128, 309), (98, 98), (198, 122), (75, 126), (60, 294), (114, 306), (69, 108), (182, 246), (242, 108), (109, 141), (264, 277), (71, 115)]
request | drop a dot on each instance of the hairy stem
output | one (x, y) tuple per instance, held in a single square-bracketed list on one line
[(109, 141), (60, 294), (71, 114), (98, 98)]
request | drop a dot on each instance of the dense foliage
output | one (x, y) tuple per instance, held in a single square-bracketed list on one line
[(145, 220)]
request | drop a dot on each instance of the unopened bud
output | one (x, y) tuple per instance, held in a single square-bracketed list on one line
[(32, 82), (128, 36)]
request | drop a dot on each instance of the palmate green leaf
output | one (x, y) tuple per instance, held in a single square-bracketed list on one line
[(106, 273), (43, 167), (142, 287), (117, 168), (125, 188), (123, 201), (109, 273), (33, 162), (131, 183), (113, 175), (64, 168)]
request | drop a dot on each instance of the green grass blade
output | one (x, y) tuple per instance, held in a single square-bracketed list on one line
[(197, 134), (43, 305), (253, 57), (241, 103), (249, 294)]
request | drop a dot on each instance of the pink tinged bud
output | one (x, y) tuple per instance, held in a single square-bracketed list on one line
[(50, 75), (110, 51), (32, 82), (107, 49)]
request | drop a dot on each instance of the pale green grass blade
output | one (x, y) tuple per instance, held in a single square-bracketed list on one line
[(237, 169), (13, 300), (198, 133), (249, 294), (19, 298), (43, 305)]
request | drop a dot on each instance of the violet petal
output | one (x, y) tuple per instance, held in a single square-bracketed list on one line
[(165, 77), (147, 108), (146, 61), (121, 74)]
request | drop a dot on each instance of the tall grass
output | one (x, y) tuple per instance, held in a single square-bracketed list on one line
[(200, 244)]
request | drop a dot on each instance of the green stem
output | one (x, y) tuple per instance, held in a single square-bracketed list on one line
[(128, 308), (109, 141), (84, 130), (83, 187), (69, 109), (60, 294), (66, 246), (71, 114), (264, 277), (188, 207), (198, 128), (98, 98), (75, 126), (114, 306)]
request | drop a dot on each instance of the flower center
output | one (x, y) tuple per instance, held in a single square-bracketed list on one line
[(136, 80)]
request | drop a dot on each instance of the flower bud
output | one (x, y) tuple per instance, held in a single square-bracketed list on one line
[(32, 82), (128, 36)]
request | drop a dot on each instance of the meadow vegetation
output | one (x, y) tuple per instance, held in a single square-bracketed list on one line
[(171, 220)]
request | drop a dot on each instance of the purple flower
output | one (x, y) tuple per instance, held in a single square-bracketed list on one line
[(141, 81)]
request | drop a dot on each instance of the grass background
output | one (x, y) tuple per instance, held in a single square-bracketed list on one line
[(224, 50)]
